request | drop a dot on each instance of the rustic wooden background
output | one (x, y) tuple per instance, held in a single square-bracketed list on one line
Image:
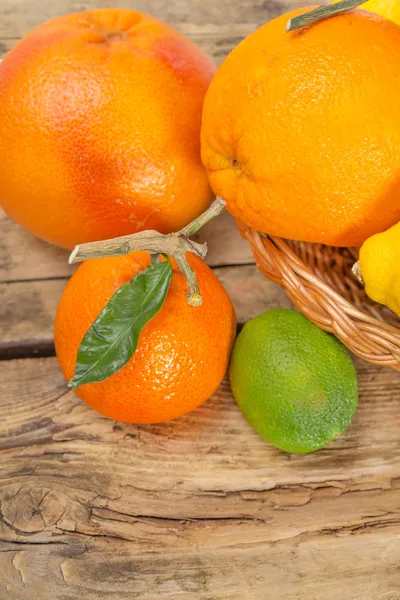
[(199, 508)]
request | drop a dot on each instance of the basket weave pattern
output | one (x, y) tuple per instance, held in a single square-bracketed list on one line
[(319, 281)]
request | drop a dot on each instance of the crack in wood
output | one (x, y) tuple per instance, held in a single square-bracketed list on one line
[(301, 536), (106, 514), (28, 349)]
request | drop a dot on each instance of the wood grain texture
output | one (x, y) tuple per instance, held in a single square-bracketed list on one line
[(216, 27), (33, 275), (28, 307), (197, 508), (212, 565), (25, 258), (196, 18)]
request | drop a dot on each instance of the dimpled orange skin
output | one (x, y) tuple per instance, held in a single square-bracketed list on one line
[(100, 115), (183, 352), (301, 130)]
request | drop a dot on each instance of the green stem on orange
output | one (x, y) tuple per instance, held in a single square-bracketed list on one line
[(215, 209), (322, 12), (193, 297), (175, 245), (155, 259)]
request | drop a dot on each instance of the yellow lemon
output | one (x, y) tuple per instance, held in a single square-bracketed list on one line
[(386, 8), (380, 267)]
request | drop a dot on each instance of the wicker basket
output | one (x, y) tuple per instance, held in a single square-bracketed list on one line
[(319, 281)]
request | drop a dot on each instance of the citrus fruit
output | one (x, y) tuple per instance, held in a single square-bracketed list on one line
[(100, 117), (295, 384), (386, 8), (300, 130), (182, 354), (380, 267)]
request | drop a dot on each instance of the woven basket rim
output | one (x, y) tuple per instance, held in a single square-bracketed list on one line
[(369, 337)]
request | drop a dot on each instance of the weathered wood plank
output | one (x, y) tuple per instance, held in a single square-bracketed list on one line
[(196, 508), (19, 16), (215, 27), (33, 275), (28, 307), (48, 433), (24, 257), (225, 244), (216, 561), (199, 508)]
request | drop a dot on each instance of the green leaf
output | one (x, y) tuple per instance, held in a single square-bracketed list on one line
[(112, 339), (321, 12)]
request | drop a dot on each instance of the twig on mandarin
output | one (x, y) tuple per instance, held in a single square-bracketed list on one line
[(322, 12), (215, 209), (193, 297), (175, 245), (150, 241)]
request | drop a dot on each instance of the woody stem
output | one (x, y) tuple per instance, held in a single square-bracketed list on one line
[(175, 245)]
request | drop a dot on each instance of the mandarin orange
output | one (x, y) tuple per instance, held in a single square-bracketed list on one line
[(182, 354), (100, 117)]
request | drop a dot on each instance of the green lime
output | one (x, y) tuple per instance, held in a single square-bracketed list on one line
[(295, 384)]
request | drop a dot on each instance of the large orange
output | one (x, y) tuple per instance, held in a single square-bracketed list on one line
[(100, 117), (183, 352), (301, 130)]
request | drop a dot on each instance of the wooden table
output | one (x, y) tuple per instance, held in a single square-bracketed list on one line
[(199, 508)]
